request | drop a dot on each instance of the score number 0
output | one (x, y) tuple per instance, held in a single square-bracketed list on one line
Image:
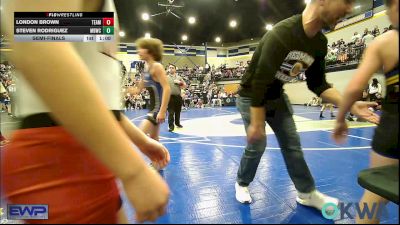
[(108, 21), (108, 26)]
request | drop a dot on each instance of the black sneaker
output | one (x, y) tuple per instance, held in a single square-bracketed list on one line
[(180, 126), (321, 116), (170, 129), (333, 116), (349, 118)]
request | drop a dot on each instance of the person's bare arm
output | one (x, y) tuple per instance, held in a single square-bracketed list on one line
[(56, 71), (64, 83), (370, 64), (151, 148)]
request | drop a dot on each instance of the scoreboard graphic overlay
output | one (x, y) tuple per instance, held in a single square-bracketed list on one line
[(64, 26)]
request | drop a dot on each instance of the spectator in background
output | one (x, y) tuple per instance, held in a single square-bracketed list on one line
[(223, 94), (207, 68), (343, 54), (3, 102), (367, 39), (123, 69), (365, 94), (331, 57), (200, 69), (183, 95), (341, 41), (376, 31), (216, 99), (127, 99), (132, 99), (375, 90), (187, 98), (146, 95), (6, 87), (338, 44), (355, 37), (138, 102), (228, 74), (200, 103), (386, 29), (366, 31), (335, 49), (315, 101), (194, 99), (204, 94), (324, 106)]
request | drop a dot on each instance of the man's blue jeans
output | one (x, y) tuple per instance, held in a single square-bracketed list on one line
[(279, 115)]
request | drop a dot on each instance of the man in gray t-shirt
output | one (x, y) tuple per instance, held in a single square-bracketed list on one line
[(175, 102), (367, 39)]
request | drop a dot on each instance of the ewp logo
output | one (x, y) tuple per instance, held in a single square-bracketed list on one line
[(331, 211), (28, 212)]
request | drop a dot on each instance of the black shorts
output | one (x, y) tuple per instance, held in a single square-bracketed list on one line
[(152, 117), (152, 114), (385, 141), (154, 107)]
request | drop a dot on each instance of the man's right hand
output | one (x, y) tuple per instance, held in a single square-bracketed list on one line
[(255, 132), (362, 109), (340, 132), (148, 194)]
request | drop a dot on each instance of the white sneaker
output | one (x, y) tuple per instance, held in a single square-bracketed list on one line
[(242, 194), (315, 199)]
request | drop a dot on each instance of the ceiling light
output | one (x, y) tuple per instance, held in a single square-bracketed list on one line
[(233, 23), (192, 20), (145, 16)]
